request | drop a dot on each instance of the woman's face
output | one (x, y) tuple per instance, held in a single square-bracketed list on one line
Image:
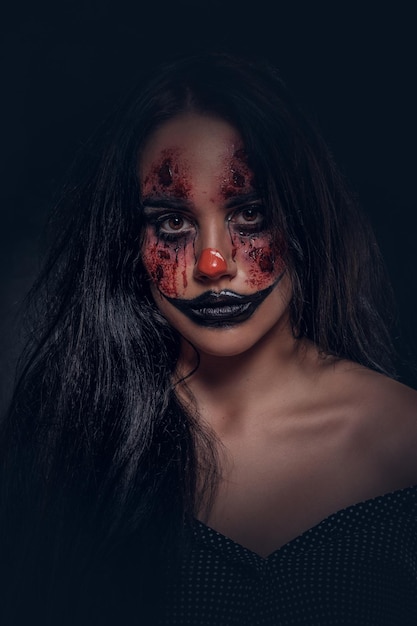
[(216, 274)]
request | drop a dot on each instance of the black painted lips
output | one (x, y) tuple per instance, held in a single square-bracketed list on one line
[(223, 308), (228, 311)]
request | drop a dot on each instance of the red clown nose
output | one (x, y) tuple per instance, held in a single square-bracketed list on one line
[(211, 262)]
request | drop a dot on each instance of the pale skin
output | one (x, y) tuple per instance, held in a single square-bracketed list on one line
[(301, 435)]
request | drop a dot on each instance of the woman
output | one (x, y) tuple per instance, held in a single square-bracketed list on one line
[(207, 428)]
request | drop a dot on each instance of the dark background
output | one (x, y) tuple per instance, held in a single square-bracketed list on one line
[(64, 67)]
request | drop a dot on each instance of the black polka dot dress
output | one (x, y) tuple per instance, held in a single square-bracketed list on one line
[(357, 567)]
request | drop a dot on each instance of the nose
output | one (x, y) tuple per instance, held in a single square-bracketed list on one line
[(211, 264)]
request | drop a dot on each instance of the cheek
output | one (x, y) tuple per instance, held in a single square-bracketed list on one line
[(167, 264), (261, 258)]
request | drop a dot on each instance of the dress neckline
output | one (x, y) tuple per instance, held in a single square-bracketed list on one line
[(317, 532)]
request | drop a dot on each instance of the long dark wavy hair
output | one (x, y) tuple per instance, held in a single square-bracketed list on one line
[(101, 466)]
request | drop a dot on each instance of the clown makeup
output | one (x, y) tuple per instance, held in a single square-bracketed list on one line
[(207, 247), (172, 232)]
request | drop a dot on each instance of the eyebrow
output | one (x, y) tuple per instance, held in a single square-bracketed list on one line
[(242, 199), (164, 202)]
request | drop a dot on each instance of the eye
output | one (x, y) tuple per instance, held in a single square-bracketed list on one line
[(174, 224), (250, 215), (171, 226), (248, 220)]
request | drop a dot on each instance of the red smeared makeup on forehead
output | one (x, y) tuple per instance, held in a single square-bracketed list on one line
[(166, 175), (238, 174)]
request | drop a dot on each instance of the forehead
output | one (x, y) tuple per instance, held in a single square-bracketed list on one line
[(191, 133), (193, 150)]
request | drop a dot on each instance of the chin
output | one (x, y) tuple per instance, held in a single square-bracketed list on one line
[(226, 341), (222, 349)]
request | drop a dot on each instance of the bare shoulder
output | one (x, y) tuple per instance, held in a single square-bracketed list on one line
[(377, 394), (385, 417)]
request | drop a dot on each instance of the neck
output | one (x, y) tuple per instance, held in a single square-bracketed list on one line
[(238, 386)]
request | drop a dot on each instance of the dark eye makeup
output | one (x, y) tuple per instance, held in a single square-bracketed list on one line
[(174, 226), (248, 220)]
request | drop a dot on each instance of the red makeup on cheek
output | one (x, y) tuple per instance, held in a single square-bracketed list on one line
[(261, 258), (166, 175), (166, 265)]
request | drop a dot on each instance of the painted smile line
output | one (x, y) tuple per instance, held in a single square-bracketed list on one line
[(223, 308)]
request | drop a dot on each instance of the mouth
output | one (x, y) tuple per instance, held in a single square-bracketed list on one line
[(219, 315), (223, 308)]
